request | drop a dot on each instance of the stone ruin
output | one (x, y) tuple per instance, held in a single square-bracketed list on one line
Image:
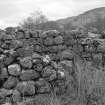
[(32, 63)]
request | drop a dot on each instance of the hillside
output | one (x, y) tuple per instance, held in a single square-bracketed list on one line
[(88, 17)]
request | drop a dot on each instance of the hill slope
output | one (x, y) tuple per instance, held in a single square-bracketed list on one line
[(90, 16)]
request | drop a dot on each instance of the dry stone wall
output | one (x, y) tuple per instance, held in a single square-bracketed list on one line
[(33, 62)]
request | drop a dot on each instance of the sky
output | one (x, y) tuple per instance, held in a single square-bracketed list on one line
[(13, 12)]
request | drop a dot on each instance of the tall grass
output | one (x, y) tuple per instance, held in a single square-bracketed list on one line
[(91, 83)]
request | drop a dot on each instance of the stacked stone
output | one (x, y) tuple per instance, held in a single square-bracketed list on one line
[(31, 62)]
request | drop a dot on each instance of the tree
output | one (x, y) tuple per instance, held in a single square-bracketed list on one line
[(34, 20)]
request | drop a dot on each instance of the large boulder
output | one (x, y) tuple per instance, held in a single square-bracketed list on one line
[(48, 41), (49, 73), (26, 88), (10, 83), (26, 62), (14, 69), (29, 75), (58, 40)]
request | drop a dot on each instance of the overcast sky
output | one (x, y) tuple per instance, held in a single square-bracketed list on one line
[(14, 11)]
